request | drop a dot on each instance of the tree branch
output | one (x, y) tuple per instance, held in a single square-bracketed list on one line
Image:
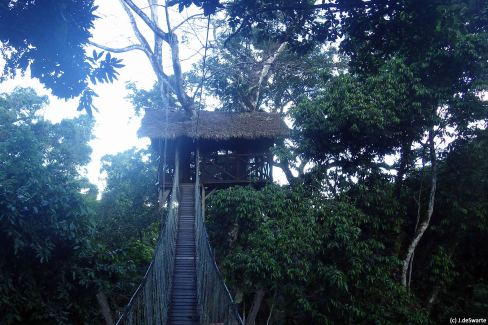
[(168, 22), (172, 41), (184, 21), (204, 66), (105, 308), (195, 53), (178, 74), (285, 167), (129, 48), (296, 7), (256, 305), (158, 31), (158, 43), (156, 63), (265, 71), (135, 28)]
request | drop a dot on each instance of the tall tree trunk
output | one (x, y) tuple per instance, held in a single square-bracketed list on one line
[(419, 211), (430, 209), (256, 305), (264, 73), (285, 167), (105, 308), (410, 267)]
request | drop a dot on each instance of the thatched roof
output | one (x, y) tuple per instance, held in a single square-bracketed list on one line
[(212, 125)]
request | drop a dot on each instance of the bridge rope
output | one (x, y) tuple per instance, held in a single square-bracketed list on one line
[(151, 301), (215, 302)]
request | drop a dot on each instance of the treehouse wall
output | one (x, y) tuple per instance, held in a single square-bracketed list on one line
[(223, 163)]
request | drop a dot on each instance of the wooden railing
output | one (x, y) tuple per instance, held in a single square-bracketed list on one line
[(227, 169), (235, 168)]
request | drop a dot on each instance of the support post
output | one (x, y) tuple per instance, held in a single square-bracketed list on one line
[(203, 203), (176, 174), (197, 175), (270, 166)]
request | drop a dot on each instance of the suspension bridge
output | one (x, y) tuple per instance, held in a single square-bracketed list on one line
[(211, 150), (183, 285)]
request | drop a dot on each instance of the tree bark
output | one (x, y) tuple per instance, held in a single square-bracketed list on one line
[(285, 167), (155, 56), (105, 308), (430, 209), (410, 267), (173, 43), (264, 72), (256, 305)]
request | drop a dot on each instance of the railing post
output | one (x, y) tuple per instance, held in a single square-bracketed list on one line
[(197, 227), (203, 203), (176, 174), (197, 175)]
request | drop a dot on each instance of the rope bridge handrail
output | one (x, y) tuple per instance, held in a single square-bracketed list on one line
[(215, 302), (150, 302), (214, 299)]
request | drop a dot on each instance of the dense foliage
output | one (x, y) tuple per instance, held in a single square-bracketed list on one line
[(319, 261), (379, 133), (385, 213), (127, 223), (45, 220), (52, 47), (51, 44), (60, 246), (337, 260)]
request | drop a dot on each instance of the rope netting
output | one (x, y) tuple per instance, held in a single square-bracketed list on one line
[(215, 302), (150, 302)]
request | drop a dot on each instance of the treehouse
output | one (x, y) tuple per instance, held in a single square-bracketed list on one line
[(227, 148)]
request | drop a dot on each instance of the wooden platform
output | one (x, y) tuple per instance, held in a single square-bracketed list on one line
[(183, 307)]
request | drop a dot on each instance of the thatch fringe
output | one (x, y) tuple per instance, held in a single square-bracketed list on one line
[(212, 125)]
